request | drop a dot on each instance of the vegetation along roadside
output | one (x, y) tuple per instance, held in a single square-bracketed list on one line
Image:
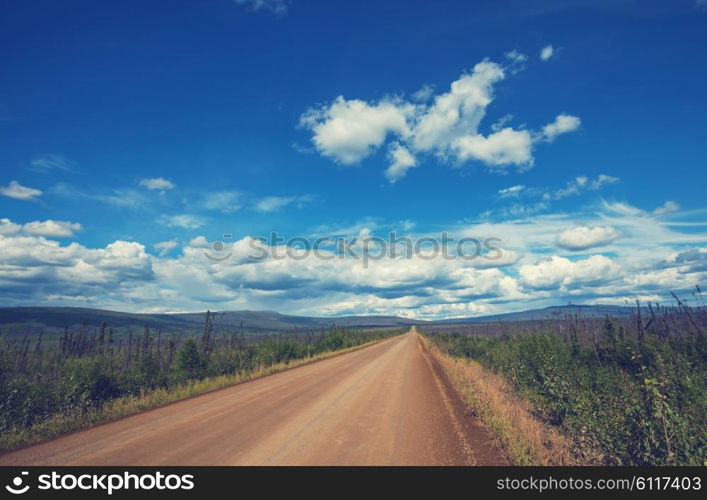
[(90, 376), (627, 391)]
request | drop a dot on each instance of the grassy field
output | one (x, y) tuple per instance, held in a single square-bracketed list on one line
[(627, 391), (89, 377)]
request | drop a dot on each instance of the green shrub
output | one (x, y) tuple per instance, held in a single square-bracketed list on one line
[(637, 403)]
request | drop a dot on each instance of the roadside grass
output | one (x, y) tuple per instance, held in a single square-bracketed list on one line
[(622, 391), (80, 417), (525, 439)]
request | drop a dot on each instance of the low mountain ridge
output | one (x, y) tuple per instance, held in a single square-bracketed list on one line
[(32, 320)]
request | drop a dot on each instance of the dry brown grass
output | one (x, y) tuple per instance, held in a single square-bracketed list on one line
[(525, 439)]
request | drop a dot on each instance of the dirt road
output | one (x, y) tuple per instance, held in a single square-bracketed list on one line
[(386, 404)]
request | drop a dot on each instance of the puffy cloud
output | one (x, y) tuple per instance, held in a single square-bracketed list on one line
[(56, 228), (458, 112), (650, 259), (127, 258), (445, 125), (199, 242), (157, 184), (184, 221), (34, 268), (583, 237), (19, 192), (9, 227), (401, 160), (52, 228), (505, 147), (546, 53), (563, 124), (560, 272), (349, 130), (693, 260)]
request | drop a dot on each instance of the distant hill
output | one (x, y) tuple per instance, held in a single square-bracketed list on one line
[(553, 312), (52, 320)]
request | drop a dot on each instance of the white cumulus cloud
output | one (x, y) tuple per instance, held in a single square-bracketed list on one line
[(401, 160), (446, 125), (556, 272), (583, 237), (563, 124), (56, 228), (546, 53), (505, 147), (347, 131)]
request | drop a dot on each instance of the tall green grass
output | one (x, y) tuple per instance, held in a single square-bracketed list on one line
[(627, 392), (45, 389)]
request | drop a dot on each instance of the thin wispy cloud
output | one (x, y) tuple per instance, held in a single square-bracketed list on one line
[(157, 184), (227, 201), (666, 208), (511, 192), (51, 162), (124, 198), (182, 221), (579, 185), (276, 203), (121, 197), (276, 6)]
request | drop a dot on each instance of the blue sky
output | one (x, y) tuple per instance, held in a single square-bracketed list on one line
[(133, 135)]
